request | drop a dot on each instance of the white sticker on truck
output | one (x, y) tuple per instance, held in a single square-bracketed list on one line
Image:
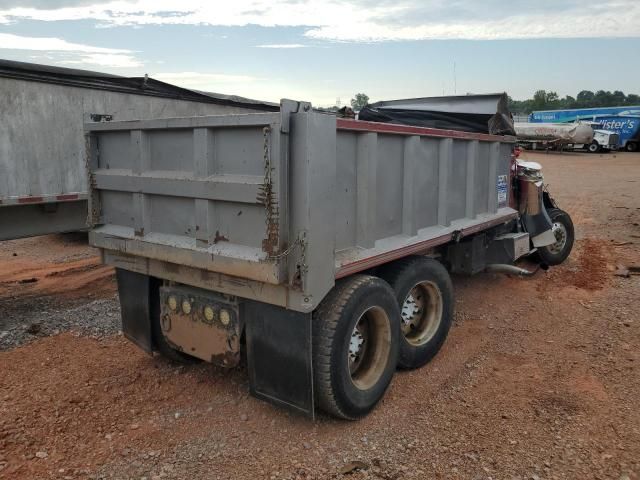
[(502, 188)]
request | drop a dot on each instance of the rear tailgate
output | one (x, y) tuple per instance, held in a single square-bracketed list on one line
[(201, 191)]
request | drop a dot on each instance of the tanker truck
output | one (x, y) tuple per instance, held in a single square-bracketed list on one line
[(553, 135), (318, 248)]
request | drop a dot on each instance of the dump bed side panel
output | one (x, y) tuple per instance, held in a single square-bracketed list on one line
[(402, 190)]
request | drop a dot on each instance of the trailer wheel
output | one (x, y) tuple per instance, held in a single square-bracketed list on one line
[(557, 252), (355, 346), (162, 346), (593, 147), (425, 295)]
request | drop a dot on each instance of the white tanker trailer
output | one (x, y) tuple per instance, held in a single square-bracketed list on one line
[(553, 134)]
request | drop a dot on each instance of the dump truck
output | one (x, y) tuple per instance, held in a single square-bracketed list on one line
[(316, 249)]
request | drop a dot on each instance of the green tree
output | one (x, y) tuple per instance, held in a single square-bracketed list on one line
[(359, 101), (539, 100), (602, 98), (632, 99), (543, 100), (568, 102), (618, 98), (585, 99)]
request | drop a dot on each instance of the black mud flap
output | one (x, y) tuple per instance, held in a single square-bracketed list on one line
[(279, 356), (134, 292)]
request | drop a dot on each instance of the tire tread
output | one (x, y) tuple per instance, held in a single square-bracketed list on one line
[(325, 323)]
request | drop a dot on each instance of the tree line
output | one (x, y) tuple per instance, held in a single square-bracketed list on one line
[(543, 100)]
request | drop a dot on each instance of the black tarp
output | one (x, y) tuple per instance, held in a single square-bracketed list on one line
[(114, 83), (468, 113)]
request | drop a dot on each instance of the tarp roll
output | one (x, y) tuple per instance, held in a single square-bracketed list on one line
[(468, 113)]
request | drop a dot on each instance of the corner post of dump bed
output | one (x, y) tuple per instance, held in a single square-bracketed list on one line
[(279, 340)]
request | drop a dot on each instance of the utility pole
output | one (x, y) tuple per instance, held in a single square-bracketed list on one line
[(455, 80)]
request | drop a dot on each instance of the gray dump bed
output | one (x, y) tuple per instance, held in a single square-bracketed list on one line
[(276, 206)]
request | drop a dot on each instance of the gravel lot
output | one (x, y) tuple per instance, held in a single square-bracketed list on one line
[(539, 378), (55, 284), (95, 319)]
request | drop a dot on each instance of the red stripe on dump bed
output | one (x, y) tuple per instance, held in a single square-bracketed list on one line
[(362, 126), (67, 197), (370, 262), (30, 200)]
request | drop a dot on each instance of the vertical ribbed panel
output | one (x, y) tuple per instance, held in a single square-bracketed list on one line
[(140, 162), (410, 164), (472, 158), (203, 157), (494, 155), (366, 168), (445, 151)]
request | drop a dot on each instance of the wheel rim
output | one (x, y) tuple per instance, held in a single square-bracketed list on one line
[(560, 232), (421, 313), (593, 148), (369, 348)]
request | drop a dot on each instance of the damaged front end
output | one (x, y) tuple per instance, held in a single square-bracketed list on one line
[(531, 204)]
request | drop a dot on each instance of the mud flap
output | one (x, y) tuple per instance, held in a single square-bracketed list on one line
[(134, 292), (279, 356)]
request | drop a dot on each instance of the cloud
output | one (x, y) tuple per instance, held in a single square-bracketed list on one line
[(282, 45), (47, 4), (360, 20), (104, 60), (71, 53), (204, 81)]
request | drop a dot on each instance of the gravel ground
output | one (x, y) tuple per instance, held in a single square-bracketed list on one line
[(54, 284), (95, 319), (537, 380)]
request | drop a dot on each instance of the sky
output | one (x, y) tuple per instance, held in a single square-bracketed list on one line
[(326, 51)]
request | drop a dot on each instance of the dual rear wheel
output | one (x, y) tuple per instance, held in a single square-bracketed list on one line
[(364, 329), (367, 326)]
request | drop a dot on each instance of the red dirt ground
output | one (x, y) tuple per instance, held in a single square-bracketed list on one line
[(539, 378)]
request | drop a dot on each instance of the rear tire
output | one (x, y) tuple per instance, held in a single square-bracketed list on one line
[(558, 252), (424, 294), (356, 329)]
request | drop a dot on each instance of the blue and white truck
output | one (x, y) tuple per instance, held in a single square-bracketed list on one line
[(624, 121)]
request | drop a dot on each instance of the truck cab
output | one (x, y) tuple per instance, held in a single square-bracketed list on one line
[(603, 140)]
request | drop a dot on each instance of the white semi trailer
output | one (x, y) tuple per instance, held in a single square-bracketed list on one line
[(43, 175)]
